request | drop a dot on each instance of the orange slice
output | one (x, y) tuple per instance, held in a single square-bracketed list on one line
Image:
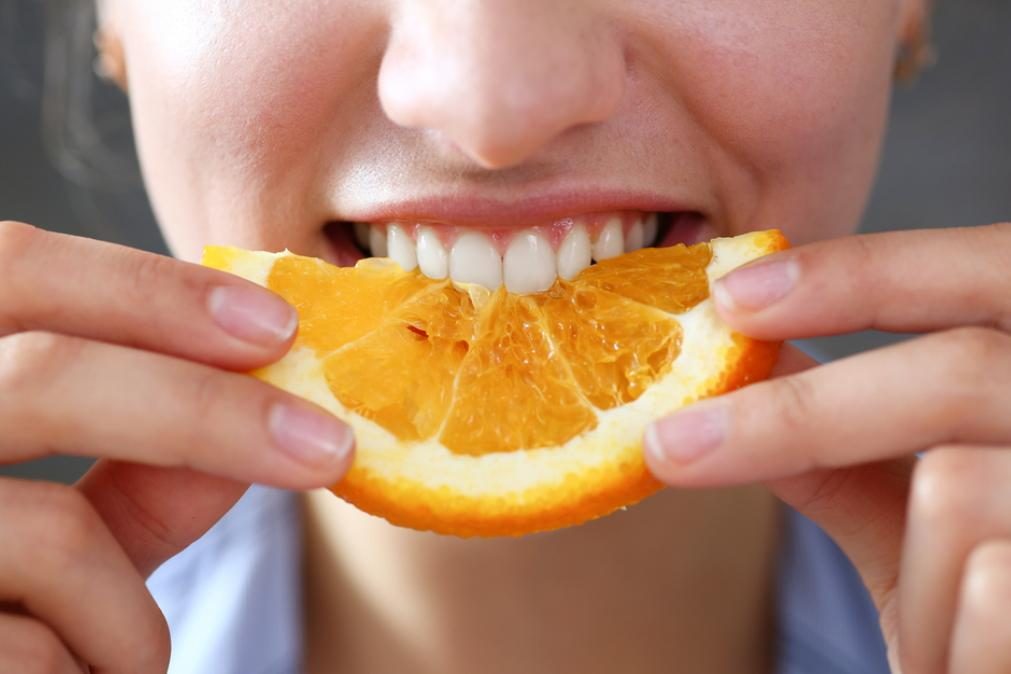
[(486, 413)]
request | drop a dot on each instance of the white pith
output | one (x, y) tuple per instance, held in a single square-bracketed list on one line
[(616, 441), (524, 266)]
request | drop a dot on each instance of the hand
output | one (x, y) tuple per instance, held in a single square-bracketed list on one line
[(930, 537), (135, 358)]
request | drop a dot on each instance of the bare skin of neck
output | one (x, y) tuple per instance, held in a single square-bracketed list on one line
[(682, 582)]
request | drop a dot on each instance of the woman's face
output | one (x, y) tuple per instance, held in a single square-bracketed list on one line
[(263, 127)]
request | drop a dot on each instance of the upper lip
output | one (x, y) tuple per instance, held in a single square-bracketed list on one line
[(531, 209)]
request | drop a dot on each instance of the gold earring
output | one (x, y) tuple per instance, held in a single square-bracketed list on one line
[(916, 54), (110, 63)]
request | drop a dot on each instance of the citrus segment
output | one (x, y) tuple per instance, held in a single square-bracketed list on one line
[(672, 279), (615, 347), (487, 413), (378, 376), (337, 305), (514, 392)]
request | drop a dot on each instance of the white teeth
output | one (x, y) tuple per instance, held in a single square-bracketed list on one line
[(574, 254), (649, 230), (362, 234), (432, 256), (400, 247), (377, 241), (634, 237), (474, 259), (529, 263), (610, 242)]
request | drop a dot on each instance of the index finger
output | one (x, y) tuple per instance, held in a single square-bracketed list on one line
[(910, 281), (102, 291)]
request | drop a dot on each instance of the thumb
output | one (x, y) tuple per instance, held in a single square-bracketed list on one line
[(863, 509), (156, 512)]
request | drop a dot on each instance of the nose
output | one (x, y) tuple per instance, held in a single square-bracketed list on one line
[(500, 78)]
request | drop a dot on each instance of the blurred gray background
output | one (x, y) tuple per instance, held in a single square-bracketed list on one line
[(66, 162)]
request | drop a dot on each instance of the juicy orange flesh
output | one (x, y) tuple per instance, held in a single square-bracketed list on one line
[(498, 372)]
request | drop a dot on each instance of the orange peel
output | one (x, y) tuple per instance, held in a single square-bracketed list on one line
[(481, 413)]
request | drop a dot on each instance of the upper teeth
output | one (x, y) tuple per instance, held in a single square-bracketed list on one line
[(400, 247), (610, 241), (529, 263), (633, 239), (650, 227), (574, 253), (432, 256), (377, 242), (474, 260)]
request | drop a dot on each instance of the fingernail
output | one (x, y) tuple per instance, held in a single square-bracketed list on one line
[(311, 437), (756, 286), (252, 314), (688, 435)]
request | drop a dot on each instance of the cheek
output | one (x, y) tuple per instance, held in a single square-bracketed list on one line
[(794, 96), (236, 106)]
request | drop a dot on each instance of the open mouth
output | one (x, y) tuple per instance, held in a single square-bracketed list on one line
[(524, 260)]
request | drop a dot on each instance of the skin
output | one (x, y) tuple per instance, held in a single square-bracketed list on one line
[(257, 127), (930, 537)]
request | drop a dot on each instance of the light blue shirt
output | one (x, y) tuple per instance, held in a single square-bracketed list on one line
[(232, 599)]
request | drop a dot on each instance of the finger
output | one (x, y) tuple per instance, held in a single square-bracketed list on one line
[(155, 513), (942, 388), (981, 643), (913, 281), (960, 497), (27, 646), (71, 396), (77, 286), (64, 567)]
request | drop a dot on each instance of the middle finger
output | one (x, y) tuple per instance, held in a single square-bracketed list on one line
[(959, 498), (64, 567), (891, 402)]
